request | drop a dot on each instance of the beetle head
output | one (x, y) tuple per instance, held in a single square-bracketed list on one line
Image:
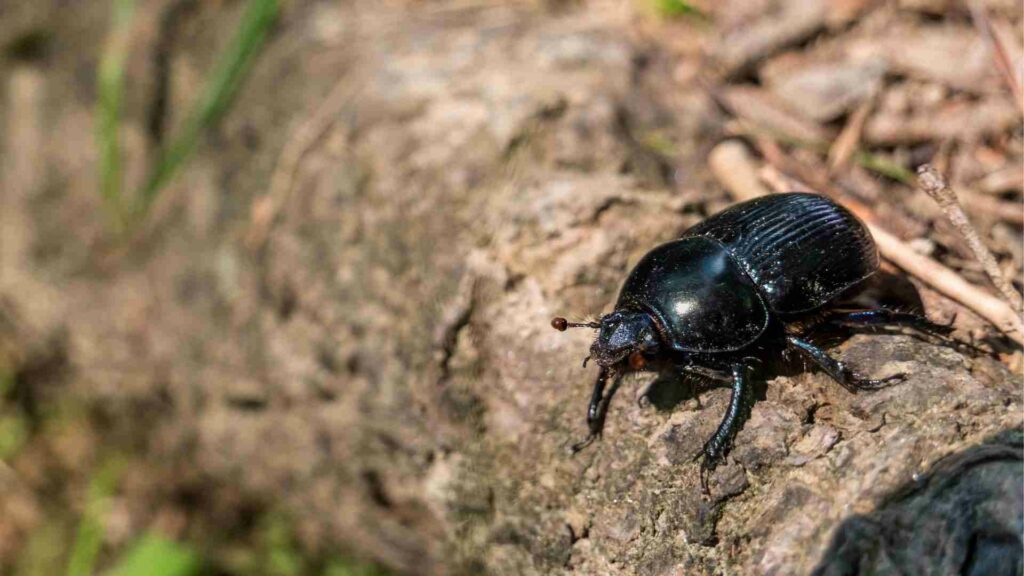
[(625, 333)]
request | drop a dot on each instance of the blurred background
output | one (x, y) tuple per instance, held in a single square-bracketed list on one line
[(276, 275)]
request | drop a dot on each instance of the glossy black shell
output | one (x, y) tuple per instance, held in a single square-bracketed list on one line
[(801, 250), (701, 299), (714, 289)]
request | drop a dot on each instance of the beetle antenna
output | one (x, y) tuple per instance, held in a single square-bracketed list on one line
[(561, 324)]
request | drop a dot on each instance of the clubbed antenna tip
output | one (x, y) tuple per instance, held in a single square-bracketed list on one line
[(560, 324)]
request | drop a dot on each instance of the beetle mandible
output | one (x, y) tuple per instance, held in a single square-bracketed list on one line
[(742, 283)]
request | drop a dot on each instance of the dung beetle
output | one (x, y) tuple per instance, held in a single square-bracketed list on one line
[(751, 281)]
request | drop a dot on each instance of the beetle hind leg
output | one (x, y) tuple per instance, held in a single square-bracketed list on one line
[(838, 370), (882, 318)]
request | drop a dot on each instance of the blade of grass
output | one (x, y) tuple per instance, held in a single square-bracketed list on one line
[(221, 86), (89, 537), (343, 567), (154, 555), (110, 83), (676, 8), (14, 432), (885, 167)]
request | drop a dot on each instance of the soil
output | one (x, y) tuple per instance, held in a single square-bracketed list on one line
[(340, 310)]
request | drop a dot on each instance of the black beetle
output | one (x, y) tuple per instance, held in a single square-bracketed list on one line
[(749, 281)]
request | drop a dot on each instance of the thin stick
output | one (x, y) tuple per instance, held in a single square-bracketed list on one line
[(780, 182), (266, 208), (949, 283), (844, 147), (110, 94), (935, 185), (732, 163), (1002, 58), (734, 167)]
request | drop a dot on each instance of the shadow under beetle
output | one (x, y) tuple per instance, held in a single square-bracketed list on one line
[(755, 279)]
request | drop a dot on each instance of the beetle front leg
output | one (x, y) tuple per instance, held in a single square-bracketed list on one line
[(596, 396), (598, 407), (837, 370), (735, 415)]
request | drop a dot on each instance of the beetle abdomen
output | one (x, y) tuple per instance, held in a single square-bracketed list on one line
[(800, 249)]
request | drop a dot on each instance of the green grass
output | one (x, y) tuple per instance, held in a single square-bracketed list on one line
[(347, 568), (88, 541), (659, 142), (270, 550), (14, 426), (154, 555), (57, 546), (110, 83), (7, 381), (675, 9), (13, 434), (215, 99), (876, 163), (885, 167)]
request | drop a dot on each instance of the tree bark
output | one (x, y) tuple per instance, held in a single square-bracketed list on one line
[(383, 365)]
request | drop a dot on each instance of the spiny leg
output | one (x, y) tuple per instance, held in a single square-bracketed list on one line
[(709, 373), (882, 317), (598, 407), (837, 370), (595, 397), (735, 415)]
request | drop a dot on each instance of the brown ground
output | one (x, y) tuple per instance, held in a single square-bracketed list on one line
[(376, 362)]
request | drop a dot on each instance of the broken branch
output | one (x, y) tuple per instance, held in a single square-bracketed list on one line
[(935, 186)]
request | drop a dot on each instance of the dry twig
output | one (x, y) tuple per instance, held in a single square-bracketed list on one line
[(846, 144), (734, 167), (999, 53), (949, 283), (935, 185), (1008, 179), (265, 209)]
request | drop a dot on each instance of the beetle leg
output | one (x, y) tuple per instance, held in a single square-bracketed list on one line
[(884, 317), (837, 370), (598, 407), (643, 400), (709, 373), (595, 397), (735, 415)]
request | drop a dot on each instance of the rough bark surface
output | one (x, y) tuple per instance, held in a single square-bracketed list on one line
[(383, 367)]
